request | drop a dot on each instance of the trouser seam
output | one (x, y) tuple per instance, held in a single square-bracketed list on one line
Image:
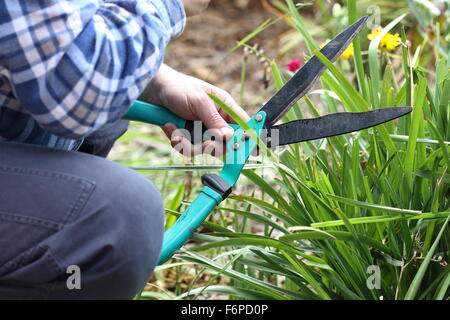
[(27, 220), (18, 262), (77, 205), (60, 271), (81, 200)]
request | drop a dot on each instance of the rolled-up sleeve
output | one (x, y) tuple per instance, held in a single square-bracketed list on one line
[(77, 65)]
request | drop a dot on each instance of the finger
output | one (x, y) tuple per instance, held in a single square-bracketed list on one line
[(210, 116), (168, 129), (214, 148), (229, 101), (179, 142), (175, 138), (256, 152)]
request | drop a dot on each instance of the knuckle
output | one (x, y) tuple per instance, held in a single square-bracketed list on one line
[(216, 118), (223, 94), (202, 99)]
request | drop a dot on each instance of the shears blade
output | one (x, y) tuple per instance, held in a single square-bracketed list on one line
[(331, 125), (303, 80)]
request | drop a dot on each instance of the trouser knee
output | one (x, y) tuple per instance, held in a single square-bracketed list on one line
[(117, 242), (77, 210)]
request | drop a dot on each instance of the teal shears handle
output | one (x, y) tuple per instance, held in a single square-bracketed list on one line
[(153, 114), (185, 225), (216, 187)]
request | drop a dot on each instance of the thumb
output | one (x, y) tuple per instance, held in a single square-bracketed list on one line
[(210, 116)]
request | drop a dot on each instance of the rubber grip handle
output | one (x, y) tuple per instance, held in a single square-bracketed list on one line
[(197, 132), (153, 114), (141, 111)]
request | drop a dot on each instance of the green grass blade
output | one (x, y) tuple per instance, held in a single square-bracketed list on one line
[(373, 60), (414, 288), (416, 120)]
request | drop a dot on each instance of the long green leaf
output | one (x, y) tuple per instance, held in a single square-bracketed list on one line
[(414, 288)]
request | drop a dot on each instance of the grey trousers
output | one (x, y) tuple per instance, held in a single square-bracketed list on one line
[(74, 225)]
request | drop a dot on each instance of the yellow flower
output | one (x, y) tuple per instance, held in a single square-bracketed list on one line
[(374, 33), (347, 54), (389, 42)]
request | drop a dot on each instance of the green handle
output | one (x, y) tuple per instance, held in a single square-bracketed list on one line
[(153, 114), (238, 150), (185, 225)]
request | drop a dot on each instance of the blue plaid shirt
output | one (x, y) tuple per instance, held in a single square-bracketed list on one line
[(69, 67)]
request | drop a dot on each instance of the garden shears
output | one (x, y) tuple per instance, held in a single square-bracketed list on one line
[(217, 187)]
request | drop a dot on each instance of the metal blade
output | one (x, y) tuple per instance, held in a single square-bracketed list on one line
[(302, 81), (331, 125)]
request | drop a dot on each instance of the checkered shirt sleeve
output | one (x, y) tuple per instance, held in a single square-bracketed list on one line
[(77, 65)]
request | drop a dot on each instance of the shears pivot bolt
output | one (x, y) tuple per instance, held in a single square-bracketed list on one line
[(236, 146), (258, 118)]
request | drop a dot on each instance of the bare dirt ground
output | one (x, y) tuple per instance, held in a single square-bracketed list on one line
[(209, 36)]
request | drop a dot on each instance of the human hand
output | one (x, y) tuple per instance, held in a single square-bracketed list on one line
[(188, 98), (193, 7)]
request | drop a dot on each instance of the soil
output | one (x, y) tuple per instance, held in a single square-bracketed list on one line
[(202, 49)]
